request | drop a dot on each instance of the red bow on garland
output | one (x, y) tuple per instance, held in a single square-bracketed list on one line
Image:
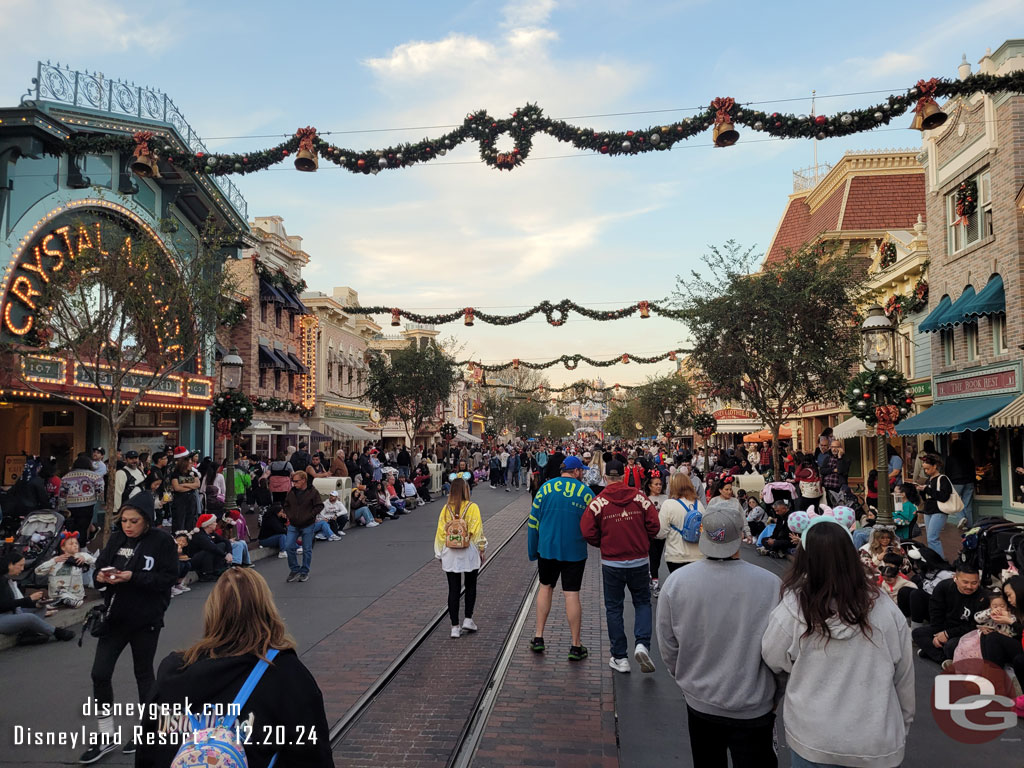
[(305, 137), (887, 416), (723, 106), (396, 315), (223, 428), (926, 92), (142, 139)]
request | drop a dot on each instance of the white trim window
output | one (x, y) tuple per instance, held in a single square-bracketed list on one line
[(948, 346), (961, 235), (971, 340), (999, 345)]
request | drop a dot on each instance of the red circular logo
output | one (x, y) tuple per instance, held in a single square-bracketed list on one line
[(973, 703)]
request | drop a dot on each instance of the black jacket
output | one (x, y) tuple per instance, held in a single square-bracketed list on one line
[(960, 469), (153, 560), (300, 460), (939, 488), (287, 698), (7, 600), (272, 525), (403, 459), (204, 542), (951, 611)]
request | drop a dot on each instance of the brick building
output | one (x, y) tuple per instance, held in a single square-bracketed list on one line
[(975, 327), (276, 338)]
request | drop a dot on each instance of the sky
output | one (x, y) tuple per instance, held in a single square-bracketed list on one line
[(603, 231)]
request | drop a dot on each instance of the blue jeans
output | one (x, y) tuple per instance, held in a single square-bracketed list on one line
[(321, 528), (616, 580), (933, 525), (279, 540), (966, 492), (240, 553), (403, 472), (362, 515), (307, 548)]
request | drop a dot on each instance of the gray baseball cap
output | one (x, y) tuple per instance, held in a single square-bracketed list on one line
[(720, 533)]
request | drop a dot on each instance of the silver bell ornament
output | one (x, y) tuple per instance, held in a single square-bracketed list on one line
[(856, 391)]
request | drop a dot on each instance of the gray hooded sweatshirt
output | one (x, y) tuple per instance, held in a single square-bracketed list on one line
[(851, 678)]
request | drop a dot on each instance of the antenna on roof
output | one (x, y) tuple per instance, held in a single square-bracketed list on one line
[(815, 140)]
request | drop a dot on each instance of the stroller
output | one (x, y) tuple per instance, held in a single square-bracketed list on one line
[(992, 545), (37, 538), (779, 490)]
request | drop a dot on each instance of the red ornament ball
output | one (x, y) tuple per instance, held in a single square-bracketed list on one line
[(362, 163), (909, 401), (820, 119), (604, 149), (199, 154), (867, 395), (284, 152), (629, 133)]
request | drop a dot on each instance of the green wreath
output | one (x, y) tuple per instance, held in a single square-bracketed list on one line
[(871, 389), (705, 424), (966, 200), (449, 431), (231, 411)]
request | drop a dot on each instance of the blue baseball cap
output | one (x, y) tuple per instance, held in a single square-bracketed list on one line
[(571, 463)]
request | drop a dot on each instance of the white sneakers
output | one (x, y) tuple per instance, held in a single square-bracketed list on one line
[(456, 632), (335, 537), (372, 524), (619, 665), (643, 658), (281, 555), (469, 625)]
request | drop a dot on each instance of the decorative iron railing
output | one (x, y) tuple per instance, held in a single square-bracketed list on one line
[(63, 85)]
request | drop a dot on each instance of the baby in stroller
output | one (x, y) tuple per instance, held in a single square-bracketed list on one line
[(66, 571)]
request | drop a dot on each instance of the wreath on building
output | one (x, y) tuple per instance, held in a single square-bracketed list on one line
[(908, 304), (231, 412), (236, 312), (705, 424), (887, 255), (279, 279), (882, 398), (449, 431), (966, 200)]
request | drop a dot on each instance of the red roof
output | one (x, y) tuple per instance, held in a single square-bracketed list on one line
[(887, 201)]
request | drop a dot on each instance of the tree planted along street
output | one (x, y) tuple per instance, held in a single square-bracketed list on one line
[(410, 385), (556, 426), (776, 339)]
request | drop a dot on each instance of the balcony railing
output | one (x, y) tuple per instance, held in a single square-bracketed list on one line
[(62, 85)]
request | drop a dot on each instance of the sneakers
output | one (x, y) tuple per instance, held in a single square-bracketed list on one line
[(339, 534), (762, 550), (293, 576), (494, 487), (962, 524), (469, 625), (282, 555), (456, 632), (537, 645), (507, 490), (619, 665), (95, 752), (176, 590), (643, 658), (129, 748), (298, 551), (63, 633), (579, 653), (947, 665), (335, 537), (304, 577), (321, 537), (372, 524)]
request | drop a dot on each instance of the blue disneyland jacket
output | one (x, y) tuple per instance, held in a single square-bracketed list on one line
[(553, 530)]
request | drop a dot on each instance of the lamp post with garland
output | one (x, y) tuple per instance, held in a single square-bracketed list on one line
[(881, 397), (231, 380)]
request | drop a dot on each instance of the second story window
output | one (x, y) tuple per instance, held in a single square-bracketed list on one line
[(963, 231), (999, 343), (263, 311), (277, 316), (948, 346), (291, 323), (971, 340), (277, 379)]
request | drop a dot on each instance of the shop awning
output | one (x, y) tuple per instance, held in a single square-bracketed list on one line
[(285, 363), (933, 322), (1010, 416), (991, 300), (957, 313), (966, 414), (267, 357), (465, 437), (852, 427), (269, 292), (348, 431), (292, 301), (295, 361)]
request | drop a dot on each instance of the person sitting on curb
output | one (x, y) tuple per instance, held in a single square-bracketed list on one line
[(65, 585), (334, 514), (272, 529), (17, 612), (951, 610), (211, 555)]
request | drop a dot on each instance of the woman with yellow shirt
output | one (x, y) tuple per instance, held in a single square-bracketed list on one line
[(456, 561)]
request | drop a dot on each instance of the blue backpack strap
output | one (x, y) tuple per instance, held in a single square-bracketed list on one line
[(248, 686)]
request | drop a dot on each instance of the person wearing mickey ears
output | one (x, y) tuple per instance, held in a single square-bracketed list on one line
[(137, 567), (846, 649)]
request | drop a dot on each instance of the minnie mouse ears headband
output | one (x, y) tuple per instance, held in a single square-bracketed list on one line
[(801, 521), (68, 535), (464, 475)]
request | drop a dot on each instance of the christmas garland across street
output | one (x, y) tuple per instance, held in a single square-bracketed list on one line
[(306, 147), (555, 314), (571, 362), (579, 386)]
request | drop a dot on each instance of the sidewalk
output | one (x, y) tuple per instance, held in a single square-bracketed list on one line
[(550, 711)]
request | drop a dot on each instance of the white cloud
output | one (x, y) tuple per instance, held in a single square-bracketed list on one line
[(415, 59), (527, 13)]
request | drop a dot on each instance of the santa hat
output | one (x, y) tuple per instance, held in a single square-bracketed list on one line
[(204, 519), (181, 452)]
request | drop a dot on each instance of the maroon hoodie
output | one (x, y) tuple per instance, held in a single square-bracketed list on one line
[(621, 521)]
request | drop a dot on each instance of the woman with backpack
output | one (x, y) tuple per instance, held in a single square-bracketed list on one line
[(682, 503), (460, 545), (280, 473), (244, 641)]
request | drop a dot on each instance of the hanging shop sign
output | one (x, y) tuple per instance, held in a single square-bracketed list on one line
[(310, 328), (919, 389), (995, 381)]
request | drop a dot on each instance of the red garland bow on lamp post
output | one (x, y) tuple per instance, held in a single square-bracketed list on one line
[(725, 133)]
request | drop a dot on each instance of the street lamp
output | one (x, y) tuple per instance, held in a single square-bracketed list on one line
[(230, 378), (878, 349)]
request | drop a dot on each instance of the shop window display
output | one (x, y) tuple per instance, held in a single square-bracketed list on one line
[(988, 472)]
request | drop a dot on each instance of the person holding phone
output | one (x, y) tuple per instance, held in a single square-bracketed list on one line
[(17, 615), (138, 566)]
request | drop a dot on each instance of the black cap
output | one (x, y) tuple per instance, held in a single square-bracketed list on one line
[(614, 468), (131, 455), (100, 450), (143, 502)]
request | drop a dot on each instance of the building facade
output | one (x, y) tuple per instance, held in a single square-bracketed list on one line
[(975, 328), (52, 203), (276, 337), (341, 414)]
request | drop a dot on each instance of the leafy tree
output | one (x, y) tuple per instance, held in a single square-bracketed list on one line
[(410, 385), (507, 409), (556, 426), (127, 315), (776, 339), (622, 420), (657, 395)]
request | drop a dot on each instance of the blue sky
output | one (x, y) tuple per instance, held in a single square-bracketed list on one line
[(602, 231)]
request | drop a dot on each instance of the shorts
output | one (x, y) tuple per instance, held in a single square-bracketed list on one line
[(571, 572)]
